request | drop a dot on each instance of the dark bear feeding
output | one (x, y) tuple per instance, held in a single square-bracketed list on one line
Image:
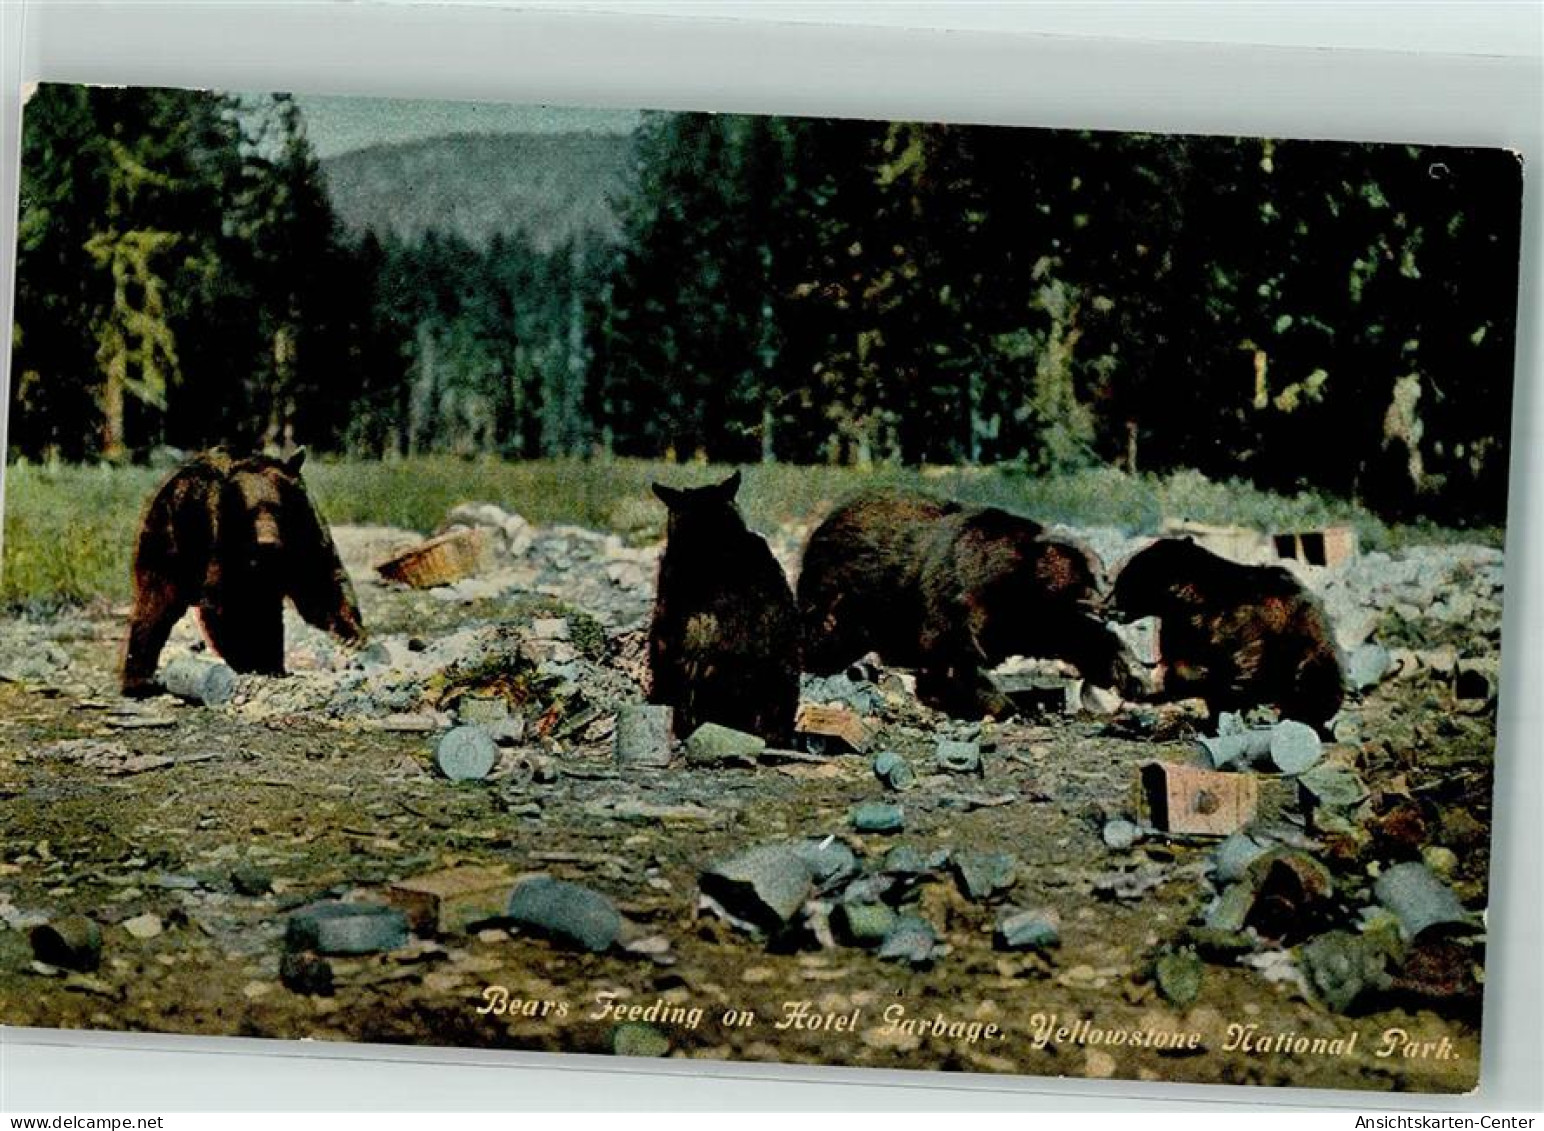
[(724, 644), (1235, 635), (951, 590), (234, 537)]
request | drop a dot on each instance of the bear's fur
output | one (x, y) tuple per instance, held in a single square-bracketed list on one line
[(952, 590), (234, 537), (1235, 635), (724, 643)]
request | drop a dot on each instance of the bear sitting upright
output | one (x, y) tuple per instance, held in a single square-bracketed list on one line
[(952, 590), (724, 643), (234, 537), (1234, 635)]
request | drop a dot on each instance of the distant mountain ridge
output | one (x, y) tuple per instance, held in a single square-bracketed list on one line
[(549, 186)]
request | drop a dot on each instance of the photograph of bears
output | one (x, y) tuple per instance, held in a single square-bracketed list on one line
[(888, 594)]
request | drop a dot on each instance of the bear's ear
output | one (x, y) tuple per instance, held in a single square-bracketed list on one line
[(670, 496), (729, 488), (294, 463)]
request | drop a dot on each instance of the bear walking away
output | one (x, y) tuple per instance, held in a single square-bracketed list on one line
[(1234, 635), (234, 537), (724, 643), (952, 590)]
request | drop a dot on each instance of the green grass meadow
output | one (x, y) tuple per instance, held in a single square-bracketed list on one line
[(69, 530)]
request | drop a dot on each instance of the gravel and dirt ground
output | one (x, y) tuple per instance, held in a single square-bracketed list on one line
[(190, 835)]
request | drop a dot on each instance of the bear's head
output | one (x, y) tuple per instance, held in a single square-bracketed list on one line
[(702, 512)]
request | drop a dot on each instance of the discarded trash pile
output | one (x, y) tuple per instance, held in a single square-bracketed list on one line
[(1347, 864)]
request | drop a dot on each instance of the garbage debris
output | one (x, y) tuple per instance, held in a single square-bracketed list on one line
[(566, 912), (894, 770), (345, 928), (207, 683), (466, 753), (73, 942), (714, 745), (956, 757), (1418, 899), (1184, 799), (878, 817), (643, 735), (439, 561), (450, 902), (832, 730)]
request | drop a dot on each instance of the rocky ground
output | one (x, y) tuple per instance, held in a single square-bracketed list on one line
[(1005, 902)]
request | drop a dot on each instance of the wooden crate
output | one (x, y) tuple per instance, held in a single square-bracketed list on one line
[(1187, 799), (439, 561)]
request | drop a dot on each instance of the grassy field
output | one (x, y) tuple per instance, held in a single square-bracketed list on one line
[(69, 531)]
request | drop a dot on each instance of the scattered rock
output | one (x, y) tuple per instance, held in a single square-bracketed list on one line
[(1367, 666), (142, 927), (1178, 974), (1120, 835), (304, 972), (983, 875), (251, 880), (863, 924), (912, 940), (637, 1038), (1019, 929)]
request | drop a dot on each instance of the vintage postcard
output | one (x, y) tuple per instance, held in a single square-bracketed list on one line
[(754, 589)]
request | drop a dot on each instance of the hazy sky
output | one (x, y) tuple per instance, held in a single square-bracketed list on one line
[(337, 124)]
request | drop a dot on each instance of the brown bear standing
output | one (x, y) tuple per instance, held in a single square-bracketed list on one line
[(951, 590), (234, 537), (724, 643), (1235, 635)]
